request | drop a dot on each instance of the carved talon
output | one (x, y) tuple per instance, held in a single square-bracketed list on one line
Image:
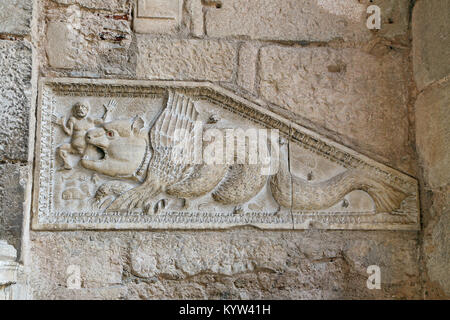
[(159, 206), (56, 120), (238, 210), (111, 105), (345, 203)]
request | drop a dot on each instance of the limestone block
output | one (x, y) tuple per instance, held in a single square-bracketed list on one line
[(360, 96), (60, 51), (15, 16), (304, 20), (202, 254), (431, 41), (157, 16), (246, 76), (87, 42), (15, 96), (185, 59), (395, 16), (236, 264), (117, 292), (195, 9), (436, 240), (99, 262), (433, 134), (11, 204)]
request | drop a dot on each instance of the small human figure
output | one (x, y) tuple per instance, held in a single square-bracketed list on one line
[(76, 127)]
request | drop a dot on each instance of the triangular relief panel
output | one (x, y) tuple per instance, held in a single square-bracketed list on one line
[(122, 154)]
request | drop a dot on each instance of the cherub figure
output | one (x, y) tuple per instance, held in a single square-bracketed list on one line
[(76, 127)]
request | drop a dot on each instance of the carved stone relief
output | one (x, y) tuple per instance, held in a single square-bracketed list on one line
[(157, 16), (177, 155)]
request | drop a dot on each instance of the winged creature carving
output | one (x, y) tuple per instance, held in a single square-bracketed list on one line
[(156, 155)]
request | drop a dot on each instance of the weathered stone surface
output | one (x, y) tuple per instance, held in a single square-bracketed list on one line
[(395, 16), (432, 137), (304, 20), (240, 264), (15, 96), (60, 52), (109, 5), (362, 97), (195, 9), (185, 59), (115, 292), (436, 242), (87, 42), (431, 45), (15, 16), (246, 76), (11, 204), (100, 264), (156, 16), (433, 134)]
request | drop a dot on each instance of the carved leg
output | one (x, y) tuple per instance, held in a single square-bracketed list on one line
[(63, 152), (135, 198)]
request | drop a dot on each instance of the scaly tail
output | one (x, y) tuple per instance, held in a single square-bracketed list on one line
[(322, 195)]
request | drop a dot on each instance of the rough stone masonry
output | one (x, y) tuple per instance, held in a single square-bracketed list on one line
[(378, 99)]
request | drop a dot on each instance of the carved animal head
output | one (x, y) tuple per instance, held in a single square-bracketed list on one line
[(122, 145)]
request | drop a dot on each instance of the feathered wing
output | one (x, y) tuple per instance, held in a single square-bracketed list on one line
[(172, 138), (172, 143)]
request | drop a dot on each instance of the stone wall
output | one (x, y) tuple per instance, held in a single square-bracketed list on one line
[(312, 61), (431, 22), (15, 113)]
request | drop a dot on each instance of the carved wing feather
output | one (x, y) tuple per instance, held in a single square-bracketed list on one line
[(172, 136), (175, 123)]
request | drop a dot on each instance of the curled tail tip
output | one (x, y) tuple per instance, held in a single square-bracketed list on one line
[(387, 199)]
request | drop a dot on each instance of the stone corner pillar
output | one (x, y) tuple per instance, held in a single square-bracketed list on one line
[(431, 64), (11, 273)]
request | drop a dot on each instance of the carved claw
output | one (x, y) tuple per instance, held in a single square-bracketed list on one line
[(57, 120), (111, 105), (159, 206), (238, 210)]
